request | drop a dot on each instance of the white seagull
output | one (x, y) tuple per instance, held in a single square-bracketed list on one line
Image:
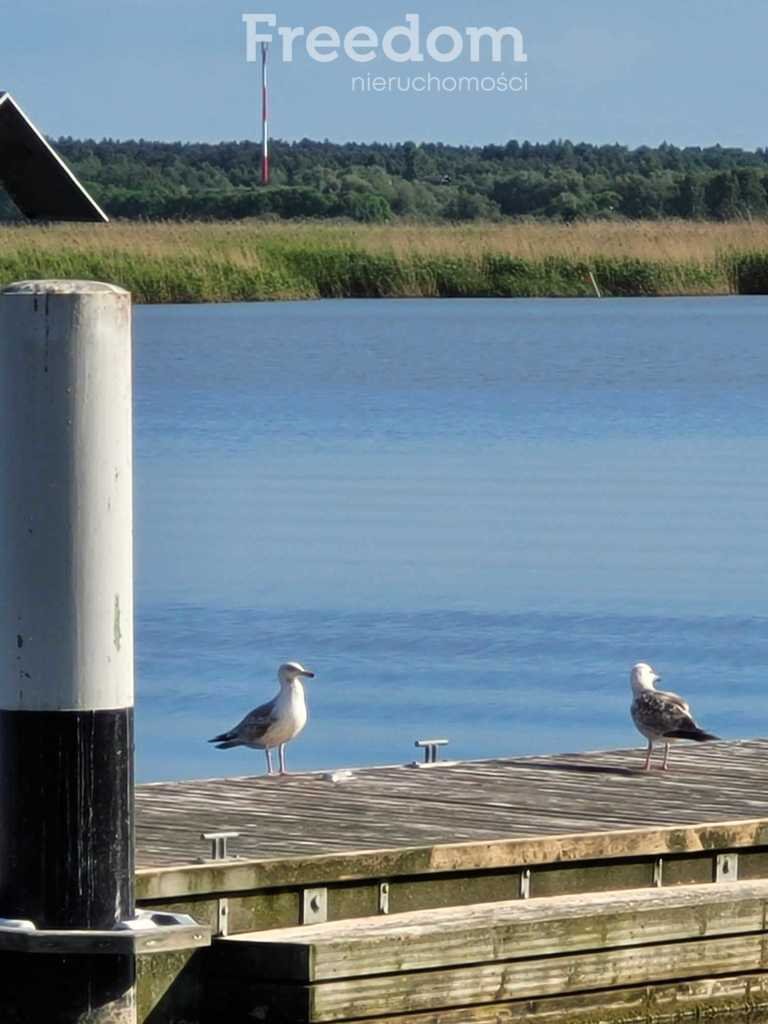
[(660, 715), (275, 723)]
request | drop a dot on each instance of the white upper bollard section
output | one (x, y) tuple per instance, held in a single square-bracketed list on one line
[(66, 518)]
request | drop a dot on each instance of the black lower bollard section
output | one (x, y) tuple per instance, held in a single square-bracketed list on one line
[(68, 861), (67, 990), (66, 648)]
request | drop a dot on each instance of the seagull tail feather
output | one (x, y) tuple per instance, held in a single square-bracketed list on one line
[(225, 741), (690, 734)]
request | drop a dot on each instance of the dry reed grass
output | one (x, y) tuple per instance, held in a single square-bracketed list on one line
[(190, 262), (673, 241)]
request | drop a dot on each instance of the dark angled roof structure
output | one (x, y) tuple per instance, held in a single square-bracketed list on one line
[(35, 176)]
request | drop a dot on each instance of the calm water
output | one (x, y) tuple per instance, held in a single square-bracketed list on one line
[(470, 518)]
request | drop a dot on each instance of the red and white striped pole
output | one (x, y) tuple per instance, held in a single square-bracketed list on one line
[(264, 114)]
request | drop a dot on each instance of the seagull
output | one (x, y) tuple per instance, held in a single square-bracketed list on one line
[(275, 723), (660, 715)]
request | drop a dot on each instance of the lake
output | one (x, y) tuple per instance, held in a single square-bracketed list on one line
[(469, 517)]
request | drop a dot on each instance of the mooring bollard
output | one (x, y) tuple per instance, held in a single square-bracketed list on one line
[(66, 646)]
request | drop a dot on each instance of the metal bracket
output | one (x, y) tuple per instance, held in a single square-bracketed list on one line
[(218, 841), (148, 932), (314, 906), (384, 897), (431, 749), (525, 884), (222, 916), (658, 872), (727, 867)]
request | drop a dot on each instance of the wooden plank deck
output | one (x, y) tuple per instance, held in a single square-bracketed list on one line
[(482, 956), (497, 932), (403, 807)]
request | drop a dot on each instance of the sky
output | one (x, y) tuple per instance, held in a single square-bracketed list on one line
[(690, 73)]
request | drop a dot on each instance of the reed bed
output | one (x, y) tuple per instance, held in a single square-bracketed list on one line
[(256, 260)]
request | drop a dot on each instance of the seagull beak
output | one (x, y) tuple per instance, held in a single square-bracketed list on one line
[(309, 675)]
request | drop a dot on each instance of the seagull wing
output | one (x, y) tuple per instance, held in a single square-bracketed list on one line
[(675, 699), (658, 713), (256, 722), (251, 729), (684, 726)]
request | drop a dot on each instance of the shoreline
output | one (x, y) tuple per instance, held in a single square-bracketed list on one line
[(266, 261)]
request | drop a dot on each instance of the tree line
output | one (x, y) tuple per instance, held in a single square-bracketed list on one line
[(376, 182)]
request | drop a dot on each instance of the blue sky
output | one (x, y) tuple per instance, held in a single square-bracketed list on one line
[(689, 73)]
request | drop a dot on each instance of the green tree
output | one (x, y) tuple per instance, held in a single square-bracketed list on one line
[(690, 202), (722, 196), (557, 179), (367, 207), (470, 206), (570, 206), (752, 198), (641, 198)]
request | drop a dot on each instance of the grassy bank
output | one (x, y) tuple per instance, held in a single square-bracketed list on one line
[(258, 261)]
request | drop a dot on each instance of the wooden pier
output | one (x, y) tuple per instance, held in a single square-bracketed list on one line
[(574, 888)]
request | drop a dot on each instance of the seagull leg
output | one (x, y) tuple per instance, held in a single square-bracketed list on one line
[(647, 765), (268, 752), (665, 765), (282, 759)]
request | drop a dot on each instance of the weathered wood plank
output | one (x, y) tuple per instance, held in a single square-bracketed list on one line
[(458, 996), (745, 996), (487, 933), (170, 986), (358, 864), (529, 979), (469, 802)]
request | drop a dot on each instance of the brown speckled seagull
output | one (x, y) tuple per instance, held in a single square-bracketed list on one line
[(660, 715)]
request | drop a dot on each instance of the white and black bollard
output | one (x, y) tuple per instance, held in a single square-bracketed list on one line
[(66, 642)]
